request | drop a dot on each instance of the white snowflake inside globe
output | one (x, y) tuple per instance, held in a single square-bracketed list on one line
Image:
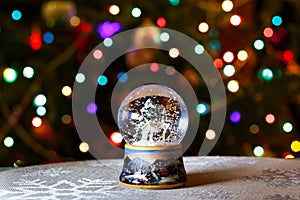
[(153, 115)]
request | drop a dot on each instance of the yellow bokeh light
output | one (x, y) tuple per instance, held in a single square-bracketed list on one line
[(210, 134), (233, 86), (295, 146), (114, 9), (203, 27), (66, 91), (174, 53), (290, 156), (227, 5), (74, 21), (84, 147), (242, 55)]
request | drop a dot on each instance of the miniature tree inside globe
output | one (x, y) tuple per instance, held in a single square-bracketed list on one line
[(153, 115), (153, 120)]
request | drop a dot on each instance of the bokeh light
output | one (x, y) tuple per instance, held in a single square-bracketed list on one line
[(164, 37), (174, 2), (235, 117), (258, 151), (268, 32), (41, 111), (108, 42), (8, 142), (66, 119), (228, 56), (122, 77), (66, 91), (233, 86), (203, 27), (173, 52), (218, 62), (92, 108), (10, 75), (287, 127), (116, 138), (242, 55), (136, 12), (35, 41), (295, 146), (28, 72), (227, 5), (288, 55), (40, 100), (108, 29), (254, 129), (270, 118), (84, 147), (80, 78), (202, 108), (48, 37), (74, 21), (170, 70), (114, 9), (235, 20), (154, 67), (36, 122), (210, 134), (102, 80), (266, 74), (276, 20), (161, 22), (16, 15), (199, 49), (259, 44), (229, 70), (97, 54)]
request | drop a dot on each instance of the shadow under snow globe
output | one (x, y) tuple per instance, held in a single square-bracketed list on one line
[(153, 120)]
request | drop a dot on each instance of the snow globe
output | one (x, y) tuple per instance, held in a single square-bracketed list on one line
[(153, 120)]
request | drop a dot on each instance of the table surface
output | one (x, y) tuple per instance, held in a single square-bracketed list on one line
[(209, 177)]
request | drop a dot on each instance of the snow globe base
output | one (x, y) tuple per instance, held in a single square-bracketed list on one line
[(153, 167)]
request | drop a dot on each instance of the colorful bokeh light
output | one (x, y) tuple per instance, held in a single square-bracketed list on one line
[(41, 111), (233, 86), (270, 118), (84, 147), (229, 70), (203, 27), (242, 55), (295, 146), (28, 72), (8, 142), (174, 52), (108, 29), (16, 15), (40, 100), (199, 49), (227, 5), (287, 127), (276, 20), (102, 80), (228, 56), (136, 12), (202, 108), (116, 138), (36, 122), (48, 37), (259, 44), (235, 20), (210, 134), (92, 108), (80, 78), (235, 117), (161, 22), (66, 91), (258, 151), (10, 75), (268, 32), (114, 9), (122, 77)]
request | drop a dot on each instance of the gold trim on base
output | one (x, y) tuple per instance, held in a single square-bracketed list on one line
[(176, 185), (176, 146)]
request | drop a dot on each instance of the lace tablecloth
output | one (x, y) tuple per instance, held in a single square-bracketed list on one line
[(208, 178)]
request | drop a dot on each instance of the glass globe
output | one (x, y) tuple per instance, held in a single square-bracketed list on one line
[(153, 115)]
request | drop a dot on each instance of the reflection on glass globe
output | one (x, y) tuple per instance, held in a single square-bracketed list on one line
[(153, 115)]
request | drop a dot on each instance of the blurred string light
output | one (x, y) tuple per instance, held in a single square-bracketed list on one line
[(227, 5), (97, 54), (116, 138), (202, 108), (36, 122), (164, 37), (16, 15), (102, 80), (35, 41), (108, 42), (199, 49), (66, 119), (74, 21), (203, 27), (266, 74), (289, 156), (287, 127), (122, 77), (295, 146), (174, 2), (215, 45), (136, 12), (288, 55), (108, 29), (276, 20), (254, 128), (210, 134), (229, 70), (66, 91), (233, 86), (8, 142), (218, 63), (235, 20), (268, 32), (91, 108), (154, 67), (10, 75), (258, 151), (242, 55), (174, 52), (228, 56), (235, 117), (259, 44), (170, 70), (40, 100), (80, 78), (270, 118), (114, 9), (28, 72), (84, 147), (48, 37), (161, 22), (41, 111)]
